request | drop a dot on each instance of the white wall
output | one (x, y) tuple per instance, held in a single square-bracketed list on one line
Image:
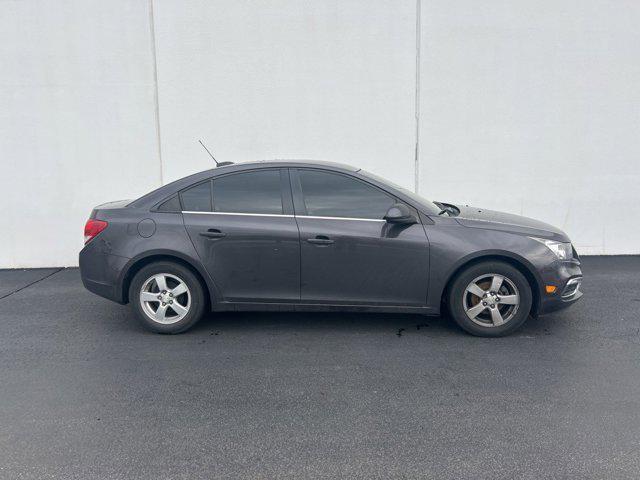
[(534, 107), (537, 98), (76, 121), (328, 79)]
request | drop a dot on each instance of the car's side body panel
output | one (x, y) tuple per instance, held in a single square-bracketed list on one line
[(257, 259), (266, 262), (369, 262), (132, 236), (358, 261), (454, 245)]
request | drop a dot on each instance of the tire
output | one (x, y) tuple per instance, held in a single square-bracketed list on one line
[(504, 310), (154, 303)]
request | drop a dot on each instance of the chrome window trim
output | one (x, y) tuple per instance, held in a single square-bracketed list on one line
[(285, 216), (242, 214), (343, 218)]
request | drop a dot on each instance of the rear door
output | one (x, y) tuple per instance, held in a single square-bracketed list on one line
[(349, 254), (242, 226)]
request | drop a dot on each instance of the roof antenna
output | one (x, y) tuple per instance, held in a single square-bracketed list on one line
[(218, 164)]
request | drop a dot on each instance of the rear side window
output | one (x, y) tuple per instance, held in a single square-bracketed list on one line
[(249, 192), (197, 198), (171, 205), (333, 195)]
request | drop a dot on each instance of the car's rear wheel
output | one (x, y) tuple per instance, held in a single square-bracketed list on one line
[(167, 297), (490, 299)]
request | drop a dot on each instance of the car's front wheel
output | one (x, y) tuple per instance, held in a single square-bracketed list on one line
[(167, 297), (490, 299)]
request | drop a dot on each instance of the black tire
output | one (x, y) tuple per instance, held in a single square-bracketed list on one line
[(457, 296), (196, 295)]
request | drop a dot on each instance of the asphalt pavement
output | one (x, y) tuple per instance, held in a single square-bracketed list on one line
[(86, 393)]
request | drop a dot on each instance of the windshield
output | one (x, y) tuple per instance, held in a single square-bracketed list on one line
[(427, 205)]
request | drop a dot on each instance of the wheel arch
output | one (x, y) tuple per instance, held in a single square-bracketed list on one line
[(137, 263), (521, 264)]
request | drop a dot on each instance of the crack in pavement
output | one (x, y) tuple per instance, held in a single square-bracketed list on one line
[(32, 283)]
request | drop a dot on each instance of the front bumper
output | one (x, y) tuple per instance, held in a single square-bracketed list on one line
[(566, 277)]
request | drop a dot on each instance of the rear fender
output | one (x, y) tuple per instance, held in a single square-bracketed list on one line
[(134, 264)]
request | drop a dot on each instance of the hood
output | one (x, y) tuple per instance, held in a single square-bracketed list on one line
[(507, 222)]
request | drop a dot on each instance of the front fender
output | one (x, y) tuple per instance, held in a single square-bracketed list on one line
[(455, 247)]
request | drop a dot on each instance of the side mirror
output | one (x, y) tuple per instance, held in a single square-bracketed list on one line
[(400, 214)]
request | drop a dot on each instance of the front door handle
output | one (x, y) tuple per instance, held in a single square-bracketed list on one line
[(213, 233), (320, 240)]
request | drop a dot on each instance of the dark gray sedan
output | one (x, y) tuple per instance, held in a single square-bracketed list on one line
[(296, 235)]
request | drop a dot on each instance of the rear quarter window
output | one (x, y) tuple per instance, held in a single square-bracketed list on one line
[(171, 205), (197, 198)]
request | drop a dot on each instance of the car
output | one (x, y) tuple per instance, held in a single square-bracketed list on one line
[(318, 236)]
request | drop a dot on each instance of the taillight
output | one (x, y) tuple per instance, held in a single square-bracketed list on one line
[(93, 228)]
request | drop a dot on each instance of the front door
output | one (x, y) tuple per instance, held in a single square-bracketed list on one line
[(243, 228), (349, 254)]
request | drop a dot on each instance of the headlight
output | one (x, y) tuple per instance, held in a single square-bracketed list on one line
[(561, 250)]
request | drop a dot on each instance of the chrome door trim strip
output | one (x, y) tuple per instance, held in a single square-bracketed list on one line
[(342, 218), (242, 214), (285, 216)]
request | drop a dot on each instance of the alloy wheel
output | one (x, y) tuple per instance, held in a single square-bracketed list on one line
[(491, 300), (165, 298)]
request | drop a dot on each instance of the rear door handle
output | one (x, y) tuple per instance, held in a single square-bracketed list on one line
[(320, 240), (213, 233)]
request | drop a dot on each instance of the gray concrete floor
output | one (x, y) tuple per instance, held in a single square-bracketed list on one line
[(86, 393)]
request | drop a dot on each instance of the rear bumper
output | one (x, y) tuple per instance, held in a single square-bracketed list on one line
[(100, 272), (567, 278)]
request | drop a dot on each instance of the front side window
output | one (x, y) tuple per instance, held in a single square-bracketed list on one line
[(427, 205), (333, 195), (197, 198), (249, 192)]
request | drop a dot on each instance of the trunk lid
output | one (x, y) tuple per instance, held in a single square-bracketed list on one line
[(110, 206)]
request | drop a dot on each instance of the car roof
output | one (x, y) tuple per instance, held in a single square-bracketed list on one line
[(169, 189), (284, 163)]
